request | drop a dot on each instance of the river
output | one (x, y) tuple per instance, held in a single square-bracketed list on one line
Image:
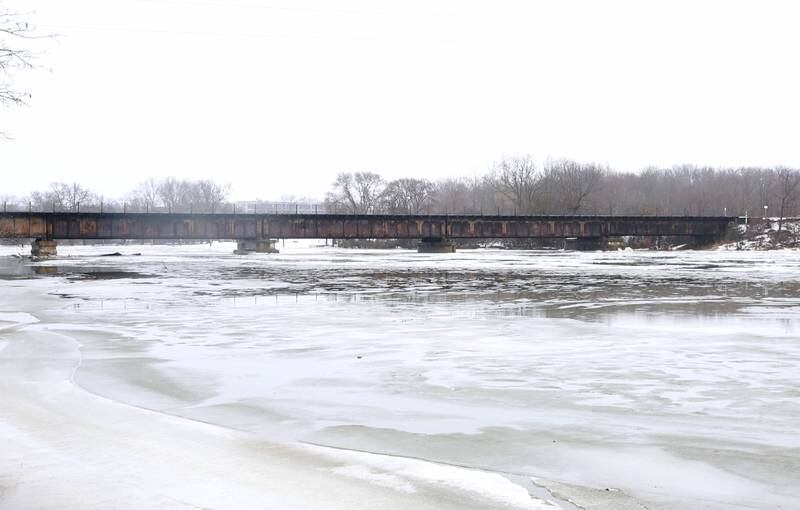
[(484, 378)]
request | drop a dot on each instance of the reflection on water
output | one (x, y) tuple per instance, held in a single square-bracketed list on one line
[(19, 268), (14, 267)]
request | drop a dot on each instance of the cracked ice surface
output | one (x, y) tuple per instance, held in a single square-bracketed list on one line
[(669, 378)]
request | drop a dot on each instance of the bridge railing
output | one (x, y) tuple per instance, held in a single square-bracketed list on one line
[(306, 208), (191, 208)]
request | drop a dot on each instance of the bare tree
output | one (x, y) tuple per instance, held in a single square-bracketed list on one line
[(747, 182), (408, 196), (68, 197), (574, 182), (766, 186), (13, 57), (519, 180), (145, 196), (343, 196), (788, 187), (174, 193), (41, 201), (179, 195), (211, 194), (357, 193), (453, 195), (17, 37), (9, 202)]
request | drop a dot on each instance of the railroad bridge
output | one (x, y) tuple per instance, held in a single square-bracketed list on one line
[(257, 232)]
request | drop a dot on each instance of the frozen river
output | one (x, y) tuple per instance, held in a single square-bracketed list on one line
[(327, 378)]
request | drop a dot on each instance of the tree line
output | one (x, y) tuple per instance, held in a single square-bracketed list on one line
[(515, 185), (151, 195), (566, 187)]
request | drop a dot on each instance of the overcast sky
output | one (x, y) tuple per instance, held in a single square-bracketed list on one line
[(277, 96)]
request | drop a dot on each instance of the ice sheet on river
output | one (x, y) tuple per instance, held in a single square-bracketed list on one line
[(668, 378)]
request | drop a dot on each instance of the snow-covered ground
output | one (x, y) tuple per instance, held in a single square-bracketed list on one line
[(766, 234), (326, 378)]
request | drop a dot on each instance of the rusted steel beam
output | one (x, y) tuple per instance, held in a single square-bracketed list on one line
[(344, 226)]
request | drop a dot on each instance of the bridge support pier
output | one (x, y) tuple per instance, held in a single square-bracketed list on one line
[(44, 248), (243, 247), (436, 245)]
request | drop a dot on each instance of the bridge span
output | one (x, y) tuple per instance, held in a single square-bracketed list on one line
[(256, 232)]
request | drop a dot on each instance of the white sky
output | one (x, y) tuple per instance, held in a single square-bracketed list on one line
[(277, 96)]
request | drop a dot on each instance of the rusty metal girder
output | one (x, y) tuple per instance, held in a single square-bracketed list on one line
[(344, 226)]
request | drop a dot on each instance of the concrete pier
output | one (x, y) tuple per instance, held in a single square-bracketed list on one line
[(44, 248), (436, 245), (244, 247)]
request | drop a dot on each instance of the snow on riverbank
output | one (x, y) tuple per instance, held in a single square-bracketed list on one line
[(769, 234)]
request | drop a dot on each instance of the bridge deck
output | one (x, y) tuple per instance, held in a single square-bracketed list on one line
[(344, 226)]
